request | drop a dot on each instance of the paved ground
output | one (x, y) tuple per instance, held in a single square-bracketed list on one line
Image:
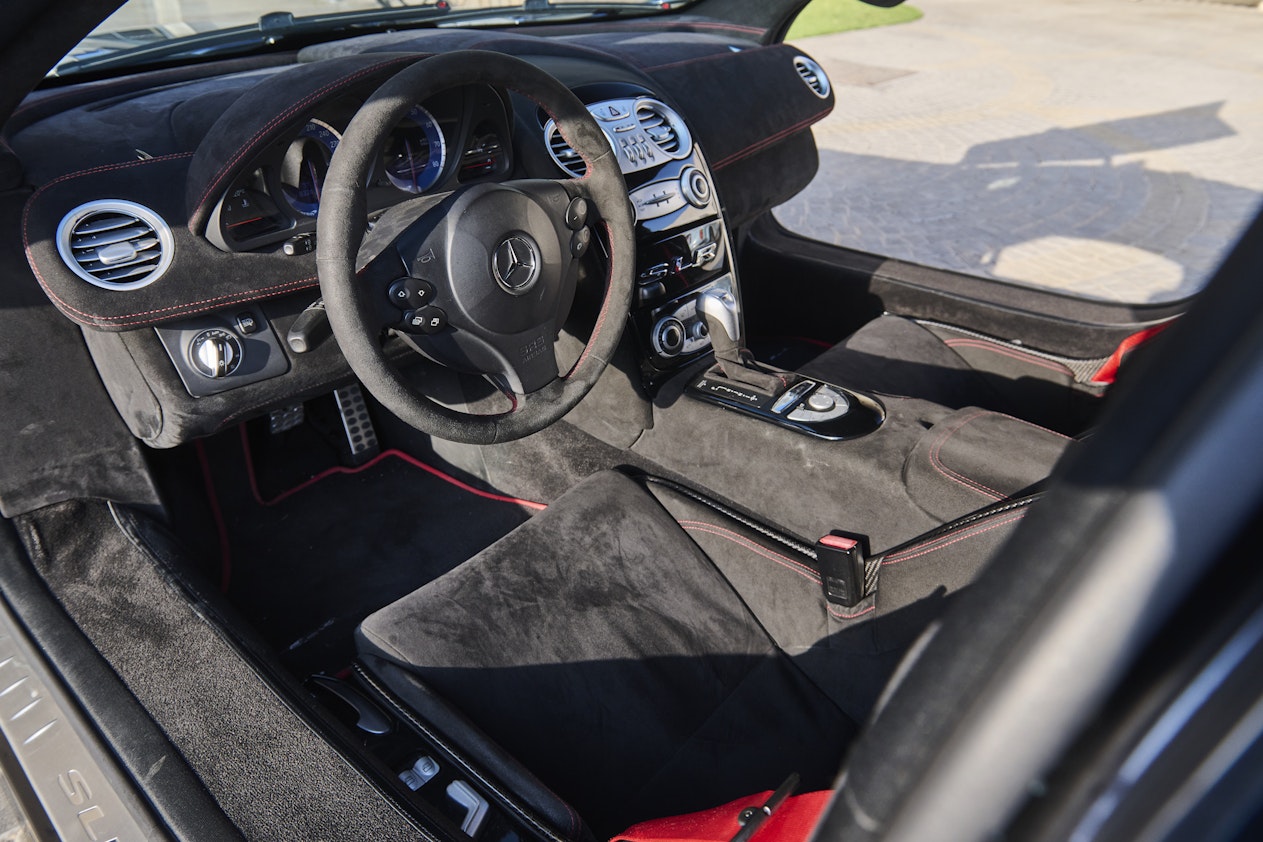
[(1108, 148)]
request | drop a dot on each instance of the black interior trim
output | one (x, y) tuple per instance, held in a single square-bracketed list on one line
[(155, 766), (852, 287)]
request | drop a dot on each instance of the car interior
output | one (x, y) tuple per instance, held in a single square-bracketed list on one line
[(431, 433)]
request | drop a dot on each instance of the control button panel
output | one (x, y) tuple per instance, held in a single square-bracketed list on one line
[(215, 353), (792, 396), (824, 404), (221, 351), (678, 329), (817, 409), (657, 198)]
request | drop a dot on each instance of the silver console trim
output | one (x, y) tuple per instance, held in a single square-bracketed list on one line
[(632, 128)]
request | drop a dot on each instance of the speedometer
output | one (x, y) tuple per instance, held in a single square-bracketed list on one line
[(305, 165), (415, 152)]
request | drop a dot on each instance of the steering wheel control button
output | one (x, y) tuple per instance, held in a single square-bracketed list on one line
[(695, 187), (411, 293), (580, 241), (301, 244), (215, 353), (426, 320), (577, 213), (515, 264), (792, 395)]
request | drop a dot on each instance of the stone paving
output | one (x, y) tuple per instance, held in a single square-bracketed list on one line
[(1111, 149)]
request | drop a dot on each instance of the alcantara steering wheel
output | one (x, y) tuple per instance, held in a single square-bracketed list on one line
[(486, 273)]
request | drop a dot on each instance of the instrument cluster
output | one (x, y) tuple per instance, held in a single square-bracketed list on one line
[(457, 137)]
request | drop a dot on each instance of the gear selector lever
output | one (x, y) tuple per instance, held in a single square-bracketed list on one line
[(739, 382), (719, 309)]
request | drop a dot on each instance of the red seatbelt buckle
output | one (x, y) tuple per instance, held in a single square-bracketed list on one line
[(841, 556)]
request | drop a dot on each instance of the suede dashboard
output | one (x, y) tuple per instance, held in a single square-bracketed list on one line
[(744, 102)]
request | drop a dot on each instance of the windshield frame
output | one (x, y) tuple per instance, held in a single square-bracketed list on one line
[(157, 44)]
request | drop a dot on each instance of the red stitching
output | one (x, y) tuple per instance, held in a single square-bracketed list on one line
[(711, 57), (960, 479), (1036, 426), (249, 146), (909, 554), (1012, 353), (783, 561), (684, 27), (842, 616), (768, 141), (30, 203), (605, 311)]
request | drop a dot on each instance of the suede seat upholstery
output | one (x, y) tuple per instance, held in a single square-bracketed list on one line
[(894, 355), (644, 655)]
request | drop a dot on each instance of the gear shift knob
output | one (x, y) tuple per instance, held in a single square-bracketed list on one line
[(719, 308)]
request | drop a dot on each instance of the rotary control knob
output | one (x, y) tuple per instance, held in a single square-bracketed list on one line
[(215, 353), (668, 337), (695, 187), (821, 401)]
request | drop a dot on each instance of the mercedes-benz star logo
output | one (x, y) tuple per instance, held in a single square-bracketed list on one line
[(516, 264)]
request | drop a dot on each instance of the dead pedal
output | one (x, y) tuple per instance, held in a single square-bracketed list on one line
[(361, 437)]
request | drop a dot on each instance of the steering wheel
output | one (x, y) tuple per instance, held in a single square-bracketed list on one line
[(479, 279)]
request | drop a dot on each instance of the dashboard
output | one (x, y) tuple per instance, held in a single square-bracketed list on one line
[(184, 242)]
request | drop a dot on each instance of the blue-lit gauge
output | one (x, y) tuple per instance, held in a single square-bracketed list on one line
[(306, 164), (415, 152)]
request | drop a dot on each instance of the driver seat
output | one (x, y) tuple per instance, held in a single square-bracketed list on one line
[(603, 646)]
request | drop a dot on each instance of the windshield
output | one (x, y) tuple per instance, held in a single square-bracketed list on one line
[(148, 30)]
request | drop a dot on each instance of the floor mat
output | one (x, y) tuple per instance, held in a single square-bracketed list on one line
[(305, 561)]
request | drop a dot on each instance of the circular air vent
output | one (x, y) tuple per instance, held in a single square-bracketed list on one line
[(664, 128), (115, 244), (565, 156), (814, 75)]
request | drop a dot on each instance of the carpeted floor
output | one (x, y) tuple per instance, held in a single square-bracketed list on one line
[(308, 549)]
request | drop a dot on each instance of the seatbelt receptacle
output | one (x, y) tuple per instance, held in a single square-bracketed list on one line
[(841, 558)]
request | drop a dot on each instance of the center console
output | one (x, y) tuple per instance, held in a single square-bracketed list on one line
[(687, 299)]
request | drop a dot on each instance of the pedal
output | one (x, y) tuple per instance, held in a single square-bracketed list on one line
[(360, 435), (285, 418)]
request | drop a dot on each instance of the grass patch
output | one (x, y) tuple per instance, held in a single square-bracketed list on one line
[(822, 17)]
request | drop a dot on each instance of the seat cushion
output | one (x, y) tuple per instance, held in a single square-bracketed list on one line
[(598, 645), (955, 368)]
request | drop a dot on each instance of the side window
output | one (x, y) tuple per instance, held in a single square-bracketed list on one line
[(1103, 151)]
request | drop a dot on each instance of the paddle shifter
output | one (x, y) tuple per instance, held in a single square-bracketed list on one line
[(737, 381)]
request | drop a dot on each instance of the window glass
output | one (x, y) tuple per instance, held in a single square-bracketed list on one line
[(1107, 150)]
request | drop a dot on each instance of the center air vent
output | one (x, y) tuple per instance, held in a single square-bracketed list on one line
[(115, 244), (814, 75), (664, 128), (563, 153)]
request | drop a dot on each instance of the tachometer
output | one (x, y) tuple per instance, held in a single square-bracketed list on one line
[(305, 165), (415, 152)]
